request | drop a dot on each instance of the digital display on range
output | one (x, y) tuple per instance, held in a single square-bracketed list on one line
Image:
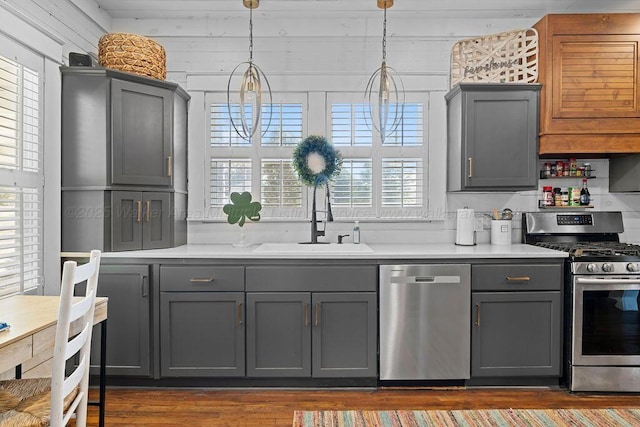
[(579, 219)]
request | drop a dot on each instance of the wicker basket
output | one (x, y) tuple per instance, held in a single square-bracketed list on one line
[(132, 53)]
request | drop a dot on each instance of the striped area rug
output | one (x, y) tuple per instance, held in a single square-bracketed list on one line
[(471, 418)]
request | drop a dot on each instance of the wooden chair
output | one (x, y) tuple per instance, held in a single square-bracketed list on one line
[(53, 401)]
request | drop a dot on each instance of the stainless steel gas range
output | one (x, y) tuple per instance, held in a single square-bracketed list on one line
[(602, 282)]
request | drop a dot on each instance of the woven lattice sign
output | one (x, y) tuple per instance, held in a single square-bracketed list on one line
[(509, 57)]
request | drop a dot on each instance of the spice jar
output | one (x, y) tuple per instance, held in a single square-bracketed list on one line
[(565, 198), (547, 196), (557, 196)]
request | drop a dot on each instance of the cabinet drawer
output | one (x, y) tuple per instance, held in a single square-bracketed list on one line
[(516, 277), (326, 278), (201, 279)]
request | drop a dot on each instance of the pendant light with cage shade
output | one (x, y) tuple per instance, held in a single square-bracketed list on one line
[(384, 94), (253, 88)]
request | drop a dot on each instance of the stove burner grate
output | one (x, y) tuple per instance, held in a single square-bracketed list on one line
[(600, 249)]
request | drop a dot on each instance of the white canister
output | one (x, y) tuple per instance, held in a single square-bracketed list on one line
[(501, 232), (465, 232)]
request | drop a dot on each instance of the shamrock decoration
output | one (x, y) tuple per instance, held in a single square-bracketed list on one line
[(242, 208)]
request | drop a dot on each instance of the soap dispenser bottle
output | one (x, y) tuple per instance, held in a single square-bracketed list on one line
[(356, 232)]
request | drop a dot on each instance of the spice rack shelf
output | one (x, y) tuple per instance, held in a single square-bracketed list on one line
[(541, 206), (568, 177)]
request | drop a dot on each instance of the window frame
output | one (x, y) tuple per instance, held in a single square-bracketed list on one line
[(255, 153), (378, 152), (324, 100)]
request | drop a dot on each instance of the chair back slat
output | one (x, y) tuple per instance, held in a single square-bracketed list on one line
[(77, 342), (81, 308)]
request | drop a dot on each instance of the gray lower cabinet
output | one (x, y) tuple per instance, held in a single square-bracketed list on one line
[(202, 326), (279, 334), (516, 334), (344, 336), (202, 334), (141, 220), (312, 321), (492, 136), (517, 320), (302, 334), (129, 320)]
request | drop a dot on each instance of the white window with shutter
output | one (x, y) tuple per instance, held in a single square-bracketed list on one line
[(378, 180), (261, 166), (385, 181), (21, 171)]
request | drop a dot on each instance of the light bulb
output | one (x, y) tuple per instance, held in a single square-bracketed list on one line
[(250, 92)]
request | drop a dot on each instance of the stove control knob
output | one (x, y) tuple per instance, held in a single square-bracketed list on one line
[(607, 267), (592, 268), (633, 266)]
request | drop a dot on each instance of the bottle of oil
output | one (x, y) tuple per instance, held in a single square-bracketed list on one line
[(585, 197)]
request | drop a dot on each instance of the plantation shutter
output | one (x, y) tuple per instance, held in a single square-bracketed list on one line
[(21, 177)]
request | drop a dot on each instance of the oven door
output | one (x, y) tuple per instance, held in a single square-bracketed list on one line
[(606, 321)]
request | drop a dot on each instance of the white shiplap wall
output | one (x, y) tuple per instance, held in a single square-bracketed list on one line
[(324, 50)]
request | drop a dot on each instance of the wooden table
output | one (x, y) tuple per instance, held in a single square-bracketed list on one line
[(33, 320)]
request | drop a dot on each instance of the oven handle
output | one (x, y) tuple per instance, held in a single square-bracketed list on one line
[(599, 281)]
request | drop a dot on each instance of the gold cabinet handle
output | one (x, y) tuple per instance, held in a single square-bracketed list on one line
[(239, 313), (317, 320), (201, 280), (139, 217), (148, 210), (306, 314), (470, 167), (518, 278), (169, 166), (478, 314)]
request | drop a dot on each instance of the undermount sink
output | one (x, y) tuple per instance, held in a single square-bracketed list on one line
[(308, 248)]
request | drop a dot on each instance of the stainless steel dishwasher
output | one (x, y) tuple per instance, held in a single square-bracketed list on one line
[(425, 322)]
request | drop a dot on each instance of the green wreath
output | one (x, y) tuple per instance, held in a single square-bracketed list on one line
[(316, 161)]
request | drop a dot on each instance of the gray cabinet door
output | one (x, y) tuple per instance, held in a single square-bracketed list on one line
[(126, 226), (344, 334), (129, 324), (140, 220), (516, 334), (156, 221), (202, 334), (141, 134), (279, 334), (502, 135)]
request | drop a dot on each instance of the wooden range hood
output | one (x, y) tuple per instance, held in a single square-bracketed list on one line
[(589, 65)]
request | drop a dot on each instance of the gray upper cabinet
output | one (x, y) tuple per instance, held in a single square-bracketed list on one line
[(141, 125), (492, 136), (122, 134)]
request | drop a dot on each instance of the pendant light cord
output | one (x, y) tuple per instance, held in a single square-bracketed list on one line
[(250, 35), (384, 36)]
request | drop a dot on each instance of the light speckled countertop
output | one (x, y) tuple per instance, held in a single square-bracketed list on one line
[(345, 251)]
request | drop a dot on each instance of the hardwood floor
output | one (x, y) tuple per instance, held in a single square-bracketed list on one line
[(269, 407)]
